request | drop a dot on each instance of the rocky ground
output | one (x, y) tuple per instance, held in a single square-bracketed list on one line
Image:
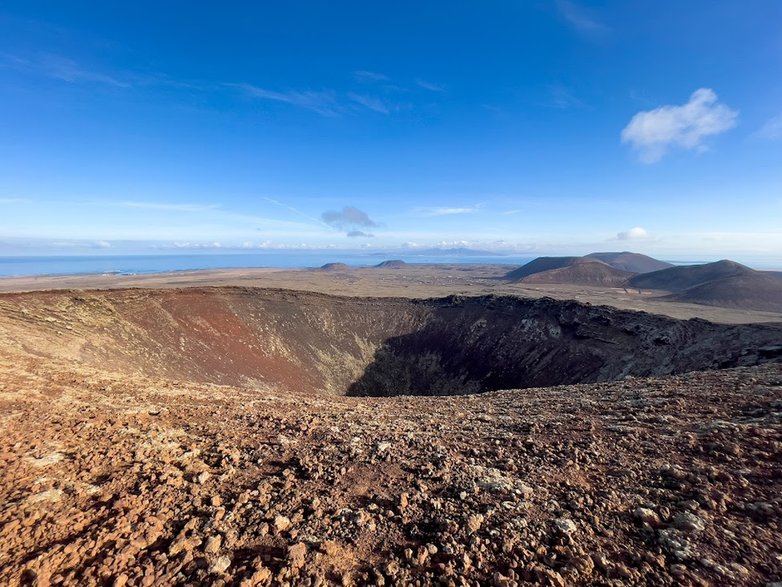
[(124, 480)]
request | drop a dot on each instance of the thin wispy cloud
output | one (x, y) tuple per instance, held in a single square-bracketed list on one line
[(14, 200), (370, 102), (447, 211), (294, 210), (323, 102), (166, 206), (580, 18), (365, 76), (431, 86), (360, 234), (652, 133), (771, 130), (563, 98), (61, 68), (510, 212)]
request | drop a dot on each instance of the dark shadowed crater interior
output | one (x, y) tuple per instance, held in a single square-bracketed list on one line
[(280, 340)]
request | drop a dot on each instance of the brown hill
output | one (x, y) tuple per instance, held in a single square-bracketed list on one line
[(676, 279), (724, 283), (592, 269), (631, 262), (582, 272), (538, 265), (753, 291)]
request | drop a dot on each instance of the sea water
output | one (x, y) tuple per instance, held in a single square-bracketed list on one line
[(136, 264)]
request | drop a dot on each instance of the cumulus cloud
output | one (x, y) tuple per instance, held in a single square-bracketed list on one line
[(772, 130), (351, 220), (634, 234), (348, 217), (653, 132)]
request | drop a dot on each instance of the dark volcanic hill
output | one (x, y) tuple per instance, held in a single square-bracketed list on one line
[(605, 269), (582, 272), (391, 264), (538, 265), (334, 267), (724, 283), (569, 270), (754, 291), (631, 262), (676, 279)]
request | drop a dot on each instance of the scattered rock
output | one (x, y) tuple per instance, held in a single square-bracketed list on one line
[(220, 565), (565, 525)]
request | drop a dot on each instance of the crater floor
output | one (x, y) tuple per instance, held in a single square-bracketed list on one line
[(111, 475)]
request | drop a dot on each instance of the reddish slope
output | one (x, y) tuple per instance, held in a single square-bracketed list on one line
[(582, 272)]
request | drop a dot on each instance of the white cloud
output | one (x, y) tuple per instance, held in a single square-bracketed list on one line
[(652, 132), (634, 234), (446, 211), (772, 129)]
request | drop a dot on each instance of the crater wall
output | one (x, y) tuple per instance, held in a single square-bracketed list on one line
[(314, 343)]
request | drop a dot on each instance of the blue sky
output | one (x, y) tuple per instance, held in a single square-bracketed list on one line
[(537, 126)]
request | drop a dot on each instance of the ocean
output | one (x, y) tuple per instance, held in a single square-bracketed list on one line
[(140, 264)]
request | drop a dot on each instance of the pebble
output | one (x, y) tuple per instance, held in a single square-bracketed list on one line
[(220, 565), (565, 525)]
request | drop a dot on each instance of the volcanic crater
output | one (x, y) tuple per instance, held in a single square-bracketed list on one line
[(320, 344)]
